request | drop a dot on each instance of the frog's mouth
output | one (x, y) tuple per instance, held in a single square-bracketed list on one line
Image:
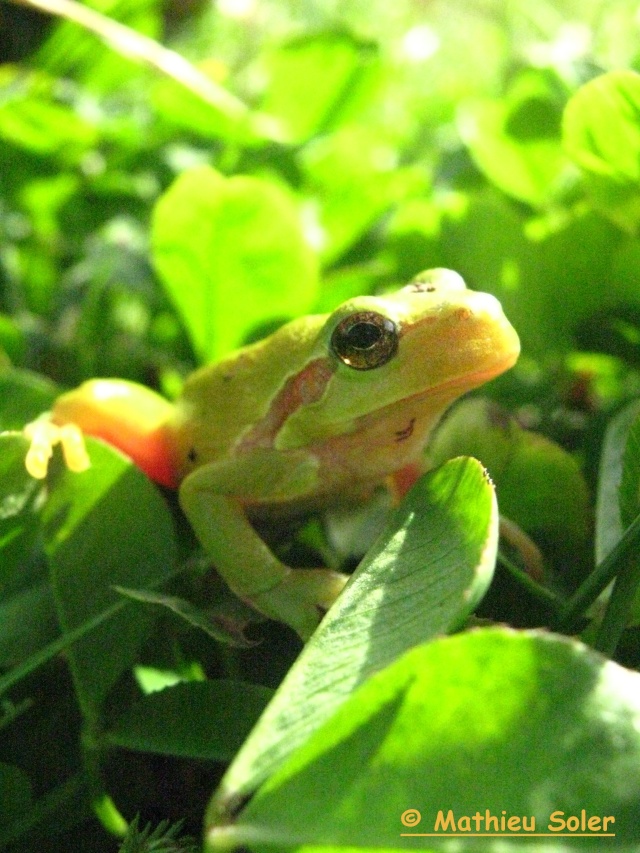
[(451, 389)]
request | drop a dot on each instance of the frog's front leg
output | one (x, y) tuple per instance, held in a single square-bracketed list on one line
[(44, 435), (297, 597)]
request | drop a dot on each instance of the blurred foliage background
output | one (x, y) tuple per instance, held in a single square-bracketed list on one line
[(156, 214)]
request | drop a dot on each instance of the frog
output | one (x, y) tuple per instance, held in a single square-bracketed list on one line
[(324, 411)]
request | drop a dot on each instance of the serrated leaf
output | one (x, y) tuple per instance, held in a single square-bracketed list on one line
[(426, 573)]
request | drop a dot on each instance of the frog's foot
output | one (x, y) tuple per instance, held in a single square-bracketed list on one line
[(301, 599), (44, 435)]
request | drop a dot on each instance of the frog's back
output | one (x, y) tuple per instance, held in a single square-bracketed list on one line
[(221, 402)]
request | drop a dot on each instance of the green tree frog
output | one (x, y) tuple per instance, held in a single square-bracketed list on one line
[(324, 410)]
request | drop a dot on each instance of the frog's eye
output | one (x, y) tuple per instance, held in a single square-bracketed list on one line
[(365, 340)]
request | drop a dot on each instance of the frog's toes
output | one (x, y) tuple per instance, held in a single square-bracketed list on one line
[(74, 448), (43, 436), (301, 599)]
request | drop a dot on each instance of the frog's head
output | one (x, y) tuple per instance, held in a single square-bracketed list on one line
[(433, 340)]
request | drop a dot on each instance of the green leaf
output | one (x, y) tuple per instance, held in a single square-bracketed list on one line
[(601, 133), (19, 520), (31, 118), (522, 724), (220, 628), (428, 570), (316, 80), (23, 397), (619, 486), (610, 524), (352, 179), (540, 485), (630, 484), (206, 719), (525, 168), (27, 622), (15, 793), (232, 254), (106, 526)]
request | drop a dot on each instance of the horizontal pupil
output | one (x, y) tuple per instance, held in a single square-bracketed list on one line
[(364, 336)]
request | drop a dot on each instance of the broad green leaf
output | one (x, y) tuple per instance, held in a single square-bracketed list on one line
[(521, 724), (205, 719), (316, 80), (427, 571), (23, 396), (352, 178), (232, 254), (413, 237), (13, 344), (620, 483), (106, 526), (27, 621), (61, 808), (601, 133), (526, 168), (185, 111), (547, 288)]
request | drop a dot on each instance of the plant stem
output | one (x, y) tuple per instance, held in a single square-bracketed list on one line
[(141, 48), (598, 580)]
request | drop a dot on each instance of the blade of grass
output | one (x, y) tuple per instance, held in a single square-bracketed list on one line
[(619, 608), (145, 50), (48, 652), (598, 580)]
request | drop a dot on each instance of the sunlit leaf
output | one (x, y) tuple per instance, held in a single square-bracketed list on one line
[(516, 724), (601, 133), (232, 254), (426, 573), (32, 118), (316, 80)]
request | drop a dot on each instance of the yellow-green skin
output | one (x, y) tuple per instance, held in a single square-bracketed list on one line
[(285, 424)]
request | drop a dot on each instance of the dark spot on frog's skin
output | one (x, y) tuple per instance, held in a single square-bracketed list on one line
[(407, 432), (192, 455), (422, 287)]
